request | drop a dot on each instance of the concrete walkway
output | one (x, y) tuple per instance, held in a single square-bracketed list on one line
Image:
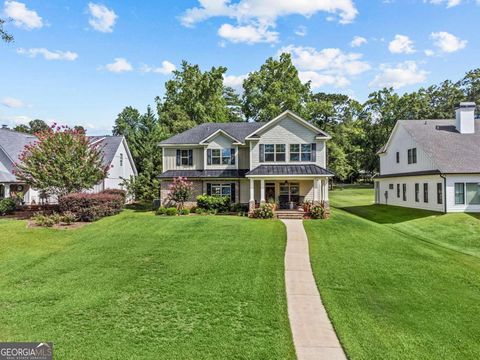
[(313, 334)]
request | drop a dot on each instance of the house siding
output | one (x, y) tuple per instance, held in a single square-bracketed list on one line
[(410, 181), (402, 141), (462, 178), (222, 142), (170, 159), (288, 131)]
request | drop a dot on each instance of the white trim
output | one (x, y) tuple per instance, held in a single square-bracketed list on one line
[(130, 157), (295, 117), (182, 145), (237, 142)]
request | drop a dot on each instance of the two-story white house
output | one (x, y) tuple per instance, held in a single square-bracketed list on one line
[(115, 152), (283, 160), (432, 164)]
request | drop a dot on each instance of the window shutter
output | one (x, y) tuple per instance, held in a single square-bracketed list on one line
[(232, 192), (262, 153), (209, 156), (209, 189), (232, 156), (190, 157), (178, 157), (314, 152)]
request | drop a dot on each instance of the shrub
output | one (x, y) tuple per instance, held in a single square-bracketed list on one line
[(91, 207), (316, 212), (68, 217), (46, 220), (7, 206), (217, 203), (199, 211), (161, 211), (265, 211), (184, 212), (171, 211), (239, 208), (118, 192)]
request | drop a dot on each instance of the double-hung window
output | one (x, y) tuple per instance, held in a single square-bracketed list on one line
[(220, 156), (272, 152), (397, 157), (184, 157), (404, 192), (412, 156), (417, 192), (473, 194), (459, 193), (425, 192), (226, 189), (301, 152), (398, 191)]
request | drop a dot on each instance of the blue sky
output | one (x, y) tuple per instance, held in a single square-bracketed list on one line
[(80, 62)]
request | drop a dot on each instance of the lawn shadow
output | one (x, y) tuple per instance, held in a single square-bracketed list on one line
[(139, 207), (383, 214)]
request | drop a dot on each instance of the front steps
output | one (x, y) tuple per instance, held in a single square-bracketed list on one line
[(290, 214)]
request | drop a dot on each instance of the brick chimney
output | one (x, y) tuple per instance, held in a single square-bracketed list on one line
[(465, 118)]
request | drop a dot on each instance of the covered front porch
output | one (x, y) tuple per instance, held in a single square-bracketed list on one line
[(288, 192)]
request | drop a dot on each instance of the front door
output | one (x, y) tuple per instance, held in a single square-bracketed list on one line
[(289, 195)]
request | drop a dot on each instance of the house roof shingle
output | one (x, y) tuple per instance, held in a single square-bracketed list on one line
[(238, 130), (450, 150)]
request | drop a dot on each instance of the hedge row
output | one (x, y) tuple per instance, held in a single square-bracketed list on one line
[(91, 207)]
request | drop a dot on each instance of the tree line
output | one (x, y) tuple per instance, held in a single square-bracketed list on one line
[(358, 130)]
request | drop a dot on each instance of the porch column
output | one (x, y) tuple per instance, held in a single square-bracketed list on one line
[(262, 190), (251, 203), (316, 190), (325, 190)]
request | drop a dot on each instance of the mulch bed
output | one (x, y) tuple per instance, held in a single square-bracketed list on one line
[(63, 226)]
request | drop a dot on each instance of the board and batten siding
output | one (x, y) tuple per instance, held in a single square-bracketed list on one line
[(244, 158), (287, 131), (170, 159), (401, 142), (410, 181), (221, 142), (460, 178)]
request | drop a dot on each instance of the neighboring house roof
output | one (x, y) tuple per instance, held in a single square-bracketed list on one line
[(237, 130), (286, 170), (13, 142), (451, 151), (109, 146), (198, 174)]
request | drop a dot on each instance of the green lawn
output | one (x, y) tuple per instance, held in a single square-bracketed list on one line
[(398, 283), (136, 286)]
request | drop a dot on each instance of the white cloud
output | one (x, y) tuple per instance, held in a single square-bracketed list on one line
[(12, 102), (450, 3), (447, 42), (119, 65), (22, 16), (166, 68), (102, 18), (358, 41), (256, 18), (329, 66), (401, 45), (49, 55), (16, 120), (233, 81), (301, 31), (249, 34), (429, 52), (403, 74), (268, 10)]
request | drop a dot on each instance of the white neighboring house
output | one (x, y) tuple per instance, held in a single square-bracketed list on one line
[(115, 151), (432, 164)]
